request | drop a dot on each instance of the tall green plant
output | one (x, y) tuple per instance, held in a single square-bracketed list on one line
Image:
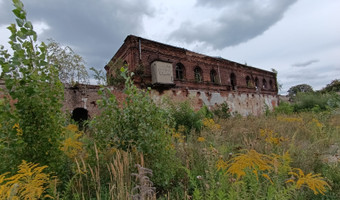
[(136, 124), (31, 127)]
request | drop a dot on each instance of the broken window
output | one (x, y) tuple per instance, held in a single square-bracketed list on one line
[(264, 84), (213, 76), (248, 82), (233, 81), (179, 71), (198, 74), (256, 83)]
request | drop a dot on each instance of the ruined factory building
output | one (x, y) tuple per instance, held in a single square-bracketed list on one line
[(185, 75)]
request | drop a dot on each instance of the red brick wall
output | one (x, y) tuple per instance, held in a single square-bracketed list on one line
[(137, 51)]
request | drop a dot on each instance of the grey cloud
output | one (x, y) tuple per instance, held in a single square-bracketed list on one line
[(240, 22), (305, 64), (94, 29)]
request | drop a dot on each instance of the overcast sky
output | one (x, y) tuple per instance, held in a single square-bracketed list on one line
[(298, 38)]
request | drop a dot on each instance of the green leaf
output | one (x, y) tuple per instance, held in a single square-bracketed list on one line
[(28, 25), (19, 14), (20, 22), (18, 4)]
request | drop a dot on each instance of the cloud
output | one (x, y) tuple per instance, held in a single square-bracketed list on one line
[(305, 64), (94, 29), (239, 22)]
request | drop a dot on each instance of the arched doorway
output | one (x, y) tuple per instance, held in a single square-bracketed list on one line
[(80, 115)]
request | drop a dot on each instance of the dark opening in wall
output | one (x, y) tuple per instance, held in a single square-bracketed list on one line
[(180, 71), (80, 115), (198, 74), (233, 81), (213, 76)]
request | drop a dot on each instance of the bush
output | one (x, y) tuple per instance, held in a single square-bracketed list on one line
[(185, 116), (316, 101), (137, 124), (222, 111), (284, 108)]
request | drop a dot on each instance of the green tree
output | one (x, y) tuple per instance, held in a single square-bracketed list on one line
[(31, 117), (302, 88), (334, 86), (70, 65)]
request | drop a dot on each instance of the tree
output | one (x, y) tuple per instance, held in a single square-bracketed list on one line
[(334, 86), (31, 118), (292, 92), (71, 66)]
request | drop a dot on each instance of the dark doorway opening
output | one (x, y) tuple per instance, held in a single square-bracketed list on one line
[(80, 115)]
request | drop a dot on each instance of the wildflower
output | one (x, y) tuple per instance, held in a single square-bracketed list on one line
[(271, 137), (289, 119), (199, 177), (268, 178), (18, 129), (314, 181), (71, 146), (221, 164), (249, 160), (210, 123), (317, 123), (29, 183), (200, 139)]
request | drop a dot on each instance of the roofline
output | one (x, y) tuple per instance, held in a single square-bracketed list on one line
[(183, 49)]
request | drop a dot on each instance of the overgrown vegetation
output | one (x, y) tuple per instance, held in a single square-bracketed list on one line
[(137, 150)]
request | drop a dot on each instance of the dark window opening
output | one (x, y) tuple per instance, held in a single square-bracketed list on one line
[(179, 71), (264, 84), (233, 81), (256, 83), (248, 82), (213, 76), (198, 74), (80, 115)]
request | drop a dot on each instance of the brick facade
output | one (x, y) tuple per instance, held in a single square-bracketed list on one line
[(217, 74)]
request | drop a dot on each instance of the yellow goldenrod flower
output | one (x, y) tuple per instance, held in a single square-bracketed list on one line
[(271, 137), (200, 139), (210, 124), (249, 160), (289, 119), (314, 182), (29, 183)]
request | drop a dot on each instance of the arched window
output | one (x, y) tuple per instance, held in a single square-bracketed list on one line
[(256, 83), (213, 76), (248, 82), (198, 74), (179, 71), (233, 81), (264, 84)]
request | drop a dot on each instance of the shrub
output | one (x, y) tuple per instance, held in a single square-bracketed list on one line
[(185, 116), (32, 122), (284, 108), (138, 124), (222, 111), (315, 101)]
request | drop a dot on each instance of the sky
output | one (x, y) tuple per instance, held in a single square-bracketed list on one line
[(298, 38)]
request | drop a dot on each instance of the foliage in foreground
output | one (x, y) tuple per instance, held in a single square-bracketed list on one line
[(235, 158), (31, 117), (126, 126)]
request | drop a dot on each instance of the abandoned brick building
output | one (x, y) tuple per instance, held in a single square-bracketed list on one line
[(185, 75)]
